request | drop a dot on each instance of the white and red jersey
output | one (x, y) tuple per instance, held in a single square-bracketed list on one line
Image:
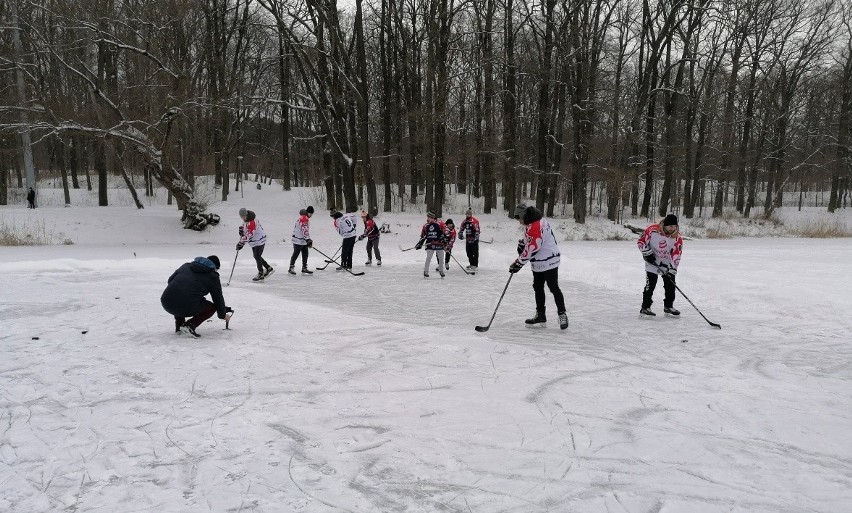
[(451, 238), (540, 246), (253, 233), (302, 230), (346, 226), (470, 229), (667, 249)]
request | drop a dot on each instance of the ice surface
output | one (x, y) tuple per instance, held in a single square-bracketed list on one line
[(374, 393)]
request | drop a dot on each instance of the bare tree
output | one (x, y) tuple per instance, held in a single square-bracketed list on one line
[(842, 169)]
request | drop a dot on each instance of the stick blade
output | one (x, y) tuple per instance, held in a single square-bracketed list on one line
[(481, 329), (358, 274), (717, 326)]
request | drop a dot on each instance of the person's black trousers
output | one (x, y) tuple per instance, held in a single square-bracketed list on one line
[(651, 284), (551, 279), (256, 252), (346, 252), (472, 249), (297, 250)]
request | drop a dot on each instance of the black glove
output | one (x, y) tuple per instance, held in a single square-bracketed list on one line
[(461, 236), (419, 245), (310, 243), (649, 256), (515, 267), (521, 246), (240, 245), (361, 237), (242, 230), (670, 272)]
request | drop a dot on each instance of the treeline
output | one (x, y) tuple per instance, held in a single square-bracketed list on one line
[(632, 105)]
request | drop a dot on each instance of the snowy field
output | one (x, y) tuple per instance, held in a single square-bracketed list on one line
[(334, 393)]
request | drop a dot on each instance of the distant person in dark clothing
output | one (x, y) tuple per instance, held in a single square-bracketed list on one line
[(184, 295), (31, 198)]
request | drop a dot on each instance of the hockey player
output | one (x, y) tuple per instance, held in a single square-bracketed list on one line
[(434, 234), (451, 239), (184, 294), (539, 247), (469, 232), (302, 240), (346, 226), (371, 232), (661, 247), (251, 233)]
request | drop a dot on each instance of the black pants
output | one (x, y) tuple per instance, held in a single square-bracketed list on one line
[(447, 256), (472, 249), (31, 204), (297, 250), (262, 264), (373, 245), (346, 252), (651, 284), (551, 278), (206, 312)]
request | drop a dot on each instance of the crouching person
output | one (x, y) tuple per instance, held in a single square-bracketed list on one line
[(185, 295)]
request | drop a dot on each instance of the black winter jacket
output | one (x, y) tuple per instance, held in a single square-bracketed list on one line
[(184, 295)]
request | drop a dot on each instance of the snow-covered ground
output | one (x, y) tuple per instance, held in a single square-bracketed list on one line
[(374, 393)]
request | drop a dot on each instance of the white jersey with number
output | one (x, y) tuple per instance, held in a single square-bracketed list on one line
[(346, 225)]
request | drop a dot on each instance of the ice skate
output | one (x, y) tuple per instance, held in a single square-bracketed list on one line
[(563, 320), (538, 318)]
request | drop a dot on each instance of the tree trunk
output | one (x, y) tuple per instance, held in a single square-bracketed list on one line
[(284, 82), (543, 109), (510, 113)]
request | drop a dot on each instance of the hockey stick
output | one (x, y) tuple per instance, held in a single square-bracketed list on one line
[(228, 319), (462, 267), (488, 241), (328, 262), (232, 268), (717, 326), (483, 329), (336, 262), (412, 247)]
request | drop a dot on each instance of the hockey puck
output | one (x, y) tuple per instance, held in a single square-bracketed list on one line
[(35, 338), (84, 332)]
